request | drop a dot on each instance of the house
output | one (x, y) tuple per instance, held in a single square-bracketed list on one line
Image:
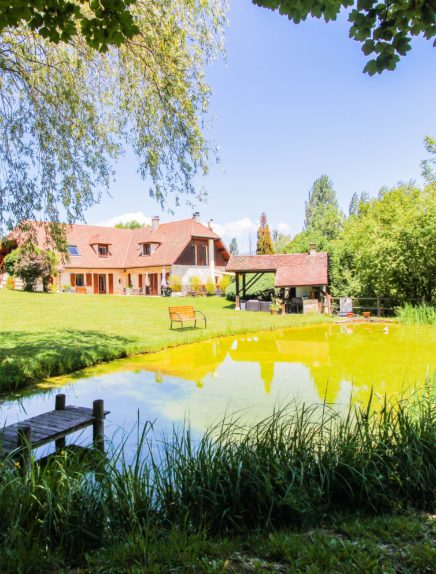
[(109, 260)]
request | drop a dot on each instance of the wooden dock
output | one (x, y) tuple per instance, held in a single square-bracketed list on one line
[(55, 425)]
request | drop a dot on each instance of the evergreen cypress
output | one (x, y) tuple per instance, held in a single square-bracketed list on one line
[(265, 244)]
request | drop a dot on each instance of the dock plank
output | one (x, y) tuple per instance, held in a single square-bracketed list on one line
[(48, 427)]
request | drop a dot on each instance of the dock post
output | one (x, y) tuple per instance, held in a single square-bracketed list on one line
[(24, 437), (60, 406), (98, 425)]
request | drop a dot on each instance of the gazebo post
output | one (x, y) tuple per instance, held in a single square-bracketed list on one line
[(237, 305)]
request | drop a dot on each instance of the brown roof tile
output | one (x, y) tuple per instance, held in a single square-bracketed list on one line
[(292, 270), (125, 245)]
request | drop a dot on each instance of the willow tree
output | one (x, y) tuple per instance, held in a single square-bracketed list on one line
[(67, 111)]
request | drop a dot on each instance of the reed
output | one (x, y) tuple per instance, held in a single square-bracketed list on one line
[(293, 469), (417, 314)]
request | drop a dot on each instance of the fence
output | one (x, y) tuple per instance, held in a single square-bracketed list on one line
[(377, 305)]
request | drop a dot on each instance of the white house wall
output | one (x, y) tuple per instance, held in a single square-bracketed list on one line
[(186, 272)]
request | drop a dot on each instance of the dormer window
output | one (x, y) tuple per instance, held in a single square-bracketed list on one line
[(103, 250), (146, 249), (73, 250)]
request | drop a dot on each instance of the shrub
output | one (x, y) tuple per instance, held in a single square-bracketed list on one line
[(30, 266), (224, 282), (210, 287), (10, 283), (10, 261), (196, 283), (175, 282), (263, 289), (33, 266)]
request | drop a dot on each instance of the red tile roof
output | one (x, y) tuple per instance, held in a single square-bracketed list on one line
[(125, 245), (292, 270)]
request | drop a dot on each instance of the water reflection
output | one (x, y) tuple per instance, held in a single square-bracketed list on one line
[(249, 374)]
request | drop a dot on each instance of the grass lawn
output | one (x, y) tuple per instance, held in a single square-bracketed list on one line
[(43, 335), (365, 545)]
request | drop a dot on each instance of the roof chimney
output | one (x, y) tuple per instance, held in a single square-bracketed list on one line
[(210, 224), (155, 222), (312, 248), (196, 217)]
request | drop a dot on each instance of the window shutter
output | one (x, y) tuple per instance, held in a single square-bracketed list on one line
[(140, 280), (73, 279), (111, 283), (89, 279), (95, 283)]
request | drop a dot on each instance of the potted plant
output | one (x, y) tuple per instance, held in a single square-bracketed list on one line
[(274, 308)]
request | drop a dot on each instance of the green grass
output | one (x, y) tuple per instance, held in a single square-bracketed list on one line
[(303, 491), (417, 314), (43, 335)]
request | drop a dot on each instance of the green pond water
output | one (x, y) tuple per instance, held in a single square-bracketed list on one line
[(249, 374)]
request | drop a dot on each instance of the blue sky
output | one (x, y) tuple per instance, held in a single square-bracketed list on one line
[(289, 104)]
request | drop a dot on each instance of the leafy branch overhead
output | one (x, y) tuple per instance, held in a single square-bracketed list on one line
[(68, 111), (384, 27), (102, 23)]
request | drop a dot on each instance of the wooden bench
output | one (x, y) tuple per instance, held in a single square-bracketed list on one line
[(185, 313), (81, 290)]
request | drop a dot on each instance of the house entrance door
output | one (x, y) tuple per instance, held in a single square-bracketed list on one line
[(154, 283), (102, 284)]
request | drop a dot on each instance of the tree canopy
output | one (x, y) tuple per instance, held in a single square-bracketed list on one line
[(130, 225), (68, 111), (391, 245), (384, 28), (101, 24)]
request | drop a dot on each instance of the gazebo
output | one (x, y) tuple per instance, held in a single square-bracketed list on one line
[(302, 276)]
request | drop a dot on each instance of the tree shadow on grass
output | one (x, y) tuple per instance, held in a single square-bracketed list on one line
[(30, 357)]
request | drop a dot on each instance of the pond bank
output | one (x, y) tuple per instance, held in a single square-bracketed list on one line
[(46, 335)]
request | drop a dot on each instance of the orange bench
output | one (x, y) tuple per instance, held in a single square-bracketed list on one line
[(185, 313)]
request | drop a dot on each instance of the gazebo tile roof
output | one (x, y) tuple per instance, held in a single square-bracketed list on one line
[(291, 269)]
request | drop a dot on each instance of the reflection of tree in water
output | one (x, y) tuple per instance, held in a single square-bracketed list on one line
[(364, 355)]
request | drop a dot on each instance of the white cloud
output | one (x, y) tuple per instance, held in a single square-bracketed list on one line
[(238, 229), (126, 217), (283, 227)]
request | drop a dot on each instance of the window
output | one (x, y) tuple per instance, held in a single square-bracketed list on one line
[(80, 280), (146, 249), (204, 255), (103, 249), (194, 255), (73, 250)]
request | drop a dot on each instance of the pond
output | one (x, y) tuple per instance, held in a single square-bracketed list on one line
[(248, 374)]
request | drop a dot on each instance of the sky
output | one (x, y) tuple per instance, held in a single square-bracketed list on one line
[(289, 104)]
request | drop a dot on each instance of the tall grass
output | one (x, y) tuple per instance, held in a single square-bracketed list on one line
[(292, 469), (417, 314)]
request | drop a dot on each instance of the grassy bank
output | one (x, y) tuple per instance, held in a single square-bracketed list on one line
[(236, 497), (44, 335), (417, 314)]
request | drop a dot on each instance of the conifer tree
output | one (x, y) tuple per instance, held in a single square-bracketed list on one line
[(233, 247), (265, 244)]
